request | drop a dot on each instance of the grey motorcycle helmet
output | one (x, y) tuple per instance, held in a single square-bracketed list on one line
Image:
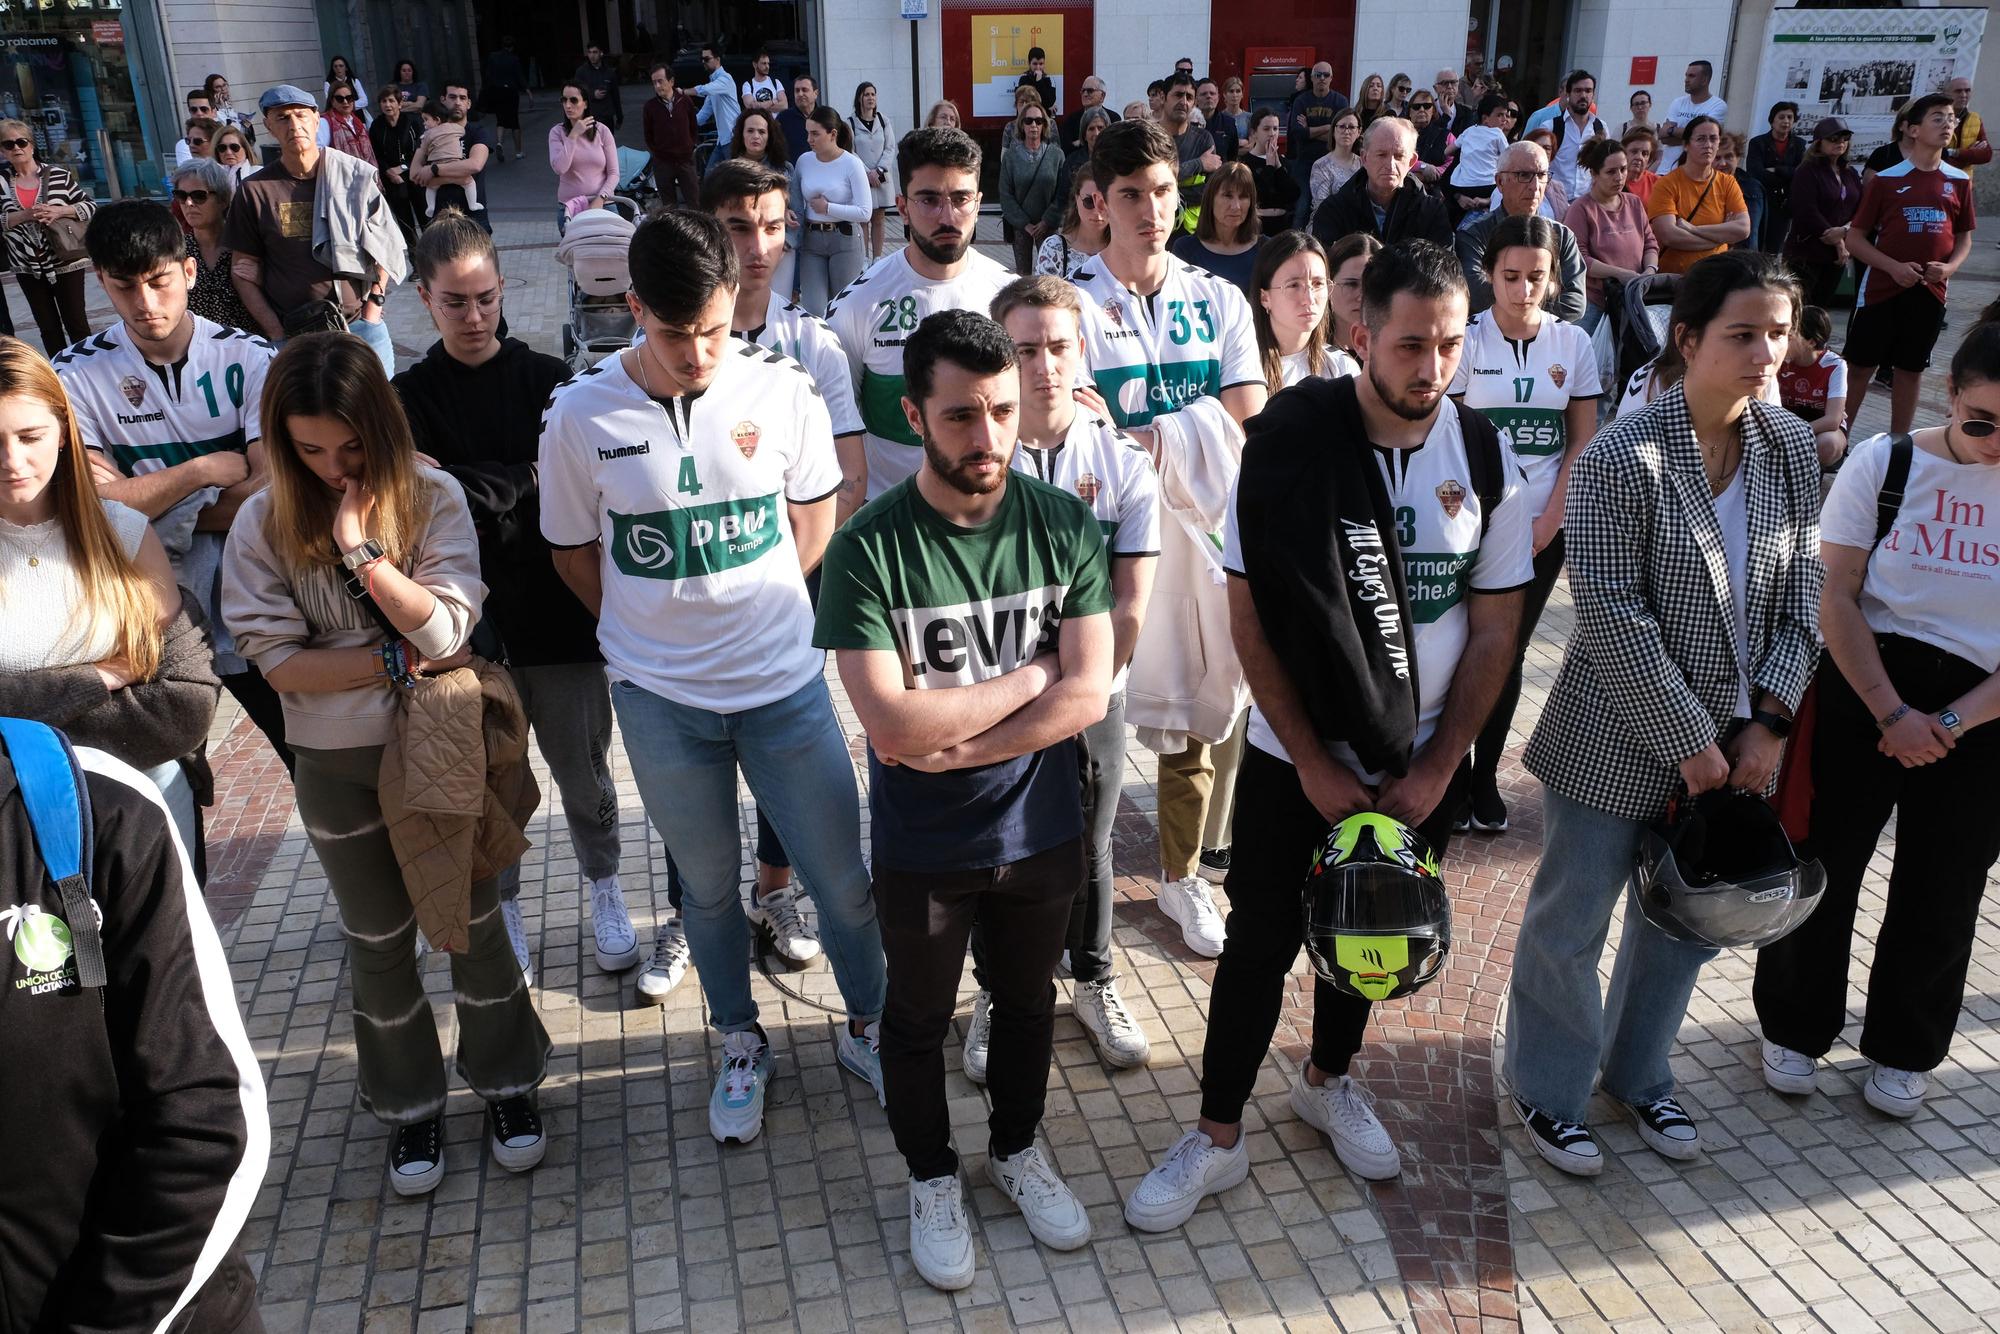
[(1719, 871)]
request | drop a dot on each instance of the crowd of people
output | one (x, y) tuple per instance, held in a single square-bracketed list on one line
[(1276, 462)]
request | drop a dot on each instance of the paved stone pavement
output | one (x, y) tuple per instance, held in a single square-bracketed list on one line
[(1803, 1214)]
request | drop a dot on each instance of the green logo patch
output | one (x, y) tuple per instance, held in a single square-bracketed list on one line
[(698, 540), (882, 408), (1137, 394), (1434, 582), (1535, 432)]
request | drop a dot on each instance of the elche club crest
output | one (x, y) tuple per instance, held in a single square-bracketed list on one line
[(1088, 486), (1114, 310), (1452, 497), (134, 390), (745, 436), (1557, 375)]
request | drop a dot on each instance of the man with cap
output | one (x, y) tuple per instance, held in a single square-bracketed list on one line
[(269, 231)]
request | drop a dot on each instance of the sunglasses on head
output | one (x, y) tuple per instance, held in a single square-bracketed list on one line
[(16, 143), (192, 196)]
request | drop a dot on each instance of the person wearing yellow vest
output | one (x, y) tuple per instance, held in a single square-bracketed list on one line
[(1968, 147)]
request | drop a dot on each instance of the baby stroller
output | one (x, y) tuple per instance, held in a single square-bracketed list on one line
[(635, 177), (597, 248), (1637, 313)]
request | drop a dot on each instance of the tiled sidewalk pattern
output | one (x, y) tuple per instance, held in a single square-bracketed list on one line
[(1804, 1214)]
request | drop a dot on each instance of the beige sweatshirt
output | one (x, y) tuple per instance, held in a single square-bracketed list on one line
[(274, 612)]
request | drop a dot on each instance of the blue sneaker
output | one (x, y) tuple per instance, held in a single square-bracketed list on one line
[(736, 1108), (863, 1056)]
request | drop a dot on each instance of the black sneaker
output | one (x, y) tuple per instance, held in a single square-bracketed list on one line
[(1214, 865), (1566, 1144), (1667, 1129), (514, 1131), (416, 1157), (1489, 812)]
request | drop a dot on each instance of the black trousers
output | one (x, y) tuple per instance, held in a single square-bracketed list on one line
[(1947, 840), (1023, 911), (1492, 740), (1277, 831), (1821, 280), (266, 710), (58, 308)]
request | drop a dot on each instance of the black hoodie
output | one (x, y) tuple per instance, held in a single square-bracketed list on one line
[(1414, 214), (135, 1111), (483, 425)]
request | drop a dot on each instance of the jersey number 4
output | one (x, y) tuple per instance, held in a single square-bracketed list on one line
[(232, 384), (687, 483), (1180, 329)]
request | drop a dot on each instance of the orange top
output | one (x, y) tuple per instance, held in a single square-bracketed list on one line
[(1702, 203)]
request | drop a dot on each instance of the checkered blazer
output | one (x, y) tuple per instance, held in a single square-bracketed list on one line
[(1650, 676)]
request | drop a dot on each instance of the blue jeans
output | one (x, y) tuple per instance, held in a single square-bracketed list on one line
[(796, 762), (375, 333), (1559, 1031)]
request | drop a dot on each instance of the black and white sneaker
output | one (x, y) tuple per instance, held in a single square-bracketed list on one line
[(1214, 866), (514, 1131), (1568, 1145), (1667, 1129), (416, 1157), (1489, 811)]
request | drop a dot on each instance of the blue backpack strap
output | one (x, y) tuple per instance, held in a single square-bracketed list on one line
[(58, 803)]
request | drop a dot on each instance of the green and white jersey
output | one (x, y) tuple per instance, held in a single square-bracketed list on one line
[(803, 336), (1525, 389), (147, 417), (1336, 365), (704, 602), (873, 317), (1108, 471), (958, 606), (1445, 553), (1152, 355)]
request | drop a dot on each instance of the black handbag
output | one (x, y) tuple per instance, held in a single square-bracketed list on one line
[(321, 316)]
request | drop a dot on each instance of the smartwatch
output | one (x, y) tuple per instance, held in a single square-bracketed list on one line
[(1777, 724), (1952, 722), (370, 550)]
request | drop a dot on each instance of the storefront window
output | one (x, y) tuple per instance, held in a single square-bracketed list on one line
[(64, 70)]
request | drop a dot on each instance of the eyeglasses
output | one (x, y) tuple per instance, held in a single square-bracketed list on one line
[(16, 143), (197, 143), (568, 98), (192, 196), (1527, 177), (936, 201), (229, 148), (1447, 83), (1301, 286), (460, 308), (1978, 428), (1508, 112), (1349, 284)]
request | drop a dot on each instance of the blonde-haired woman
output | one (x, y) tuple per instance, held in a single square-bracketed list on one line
[(233, 149), (351, 507), (97, 643), (36, 197), (943, 115)]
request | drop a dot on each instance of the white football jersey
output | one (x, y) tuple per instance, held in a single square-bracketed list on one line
[(1525, 389), (1152, 355)]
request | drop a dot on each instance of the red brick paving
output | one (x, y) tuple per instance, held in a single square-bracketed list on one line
[(253, 804)]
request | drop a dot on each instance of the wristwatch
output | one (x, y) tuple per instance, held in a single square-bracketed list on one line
[(370, 550), (1952, 722), (1777, 724), (374, 299)]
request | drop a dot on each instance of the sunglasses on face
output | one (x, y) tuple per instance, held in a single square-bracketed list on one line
[(229, 148), (340, 100), (1978, 428), (192, 196), (15, 143), (197, 143), (1034, 120)]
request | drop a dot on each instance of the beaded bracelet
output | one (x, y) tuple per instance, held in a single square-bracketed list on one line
[(396, 663)]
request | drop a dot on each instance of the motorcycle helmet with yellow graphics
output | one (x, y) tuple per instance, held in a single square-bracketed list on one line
[(1378, 920)]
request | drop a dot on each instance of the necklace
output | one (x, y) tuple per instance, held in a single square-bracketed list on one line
[(1949, 448), (8, 531)]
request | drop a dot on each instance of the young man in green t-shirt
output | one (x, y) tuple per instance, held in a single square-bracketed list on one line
[(986, 583)]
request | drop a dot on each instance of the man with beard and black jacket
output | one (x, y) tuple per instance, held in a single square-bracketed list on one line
[(475, 405), (133, 1100), (1383, 198)]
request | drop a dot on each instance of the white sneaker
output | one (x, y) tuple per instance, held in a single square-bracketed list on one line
[(1052, 1213), (1788, 1071), (617, 942), (1188, 905), (1193, 1170), (1898, 1093), (863, 1057), (777, 917), (1344, 1112), (940, 1238), (979, 1038), (736, 1107), (1120, 1040), (668, 965), (517, 936)]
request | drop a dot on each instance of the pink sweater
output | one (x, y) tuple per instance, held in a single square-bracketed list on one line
[(1624, 239), (583, 167)]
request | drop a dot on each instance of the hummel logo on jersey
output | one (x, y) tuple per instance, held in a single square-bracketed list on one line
[(626, 451), (1487, 370), (977, 641)]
